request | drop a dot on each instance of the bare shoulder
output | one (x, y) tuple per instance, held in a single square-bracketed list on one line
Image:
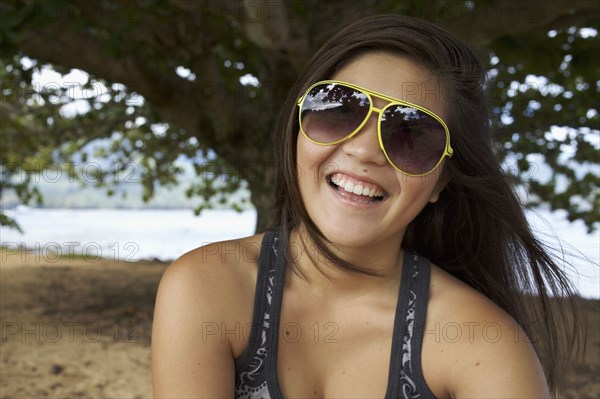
[(206, 290), (221, 273), (224, 264), (487, 352)]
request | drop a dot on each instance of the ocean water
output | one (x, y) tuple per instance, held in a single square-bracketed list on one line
[(126, 234), (166, 234)]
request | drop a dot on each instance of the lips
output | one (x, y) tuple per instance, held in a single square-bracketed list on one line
[(356, 189)]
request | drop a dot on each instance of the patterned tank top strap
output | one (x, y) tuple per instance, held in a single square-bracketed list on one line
[(409, 326), (251, 381)]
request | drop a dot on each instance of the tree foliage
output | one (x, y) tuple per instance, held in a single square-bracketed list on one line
[(206, 80)]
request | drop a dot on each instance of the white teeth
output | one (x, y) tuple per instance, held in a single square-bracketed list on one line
[(358, 189)]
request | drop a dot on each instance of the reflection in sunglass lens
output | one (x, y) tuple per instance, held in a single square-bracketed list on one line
[(331, 112), (413, 140)]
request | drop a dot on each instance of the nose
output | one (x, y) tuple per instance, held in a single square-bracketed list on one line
[(364, 145)]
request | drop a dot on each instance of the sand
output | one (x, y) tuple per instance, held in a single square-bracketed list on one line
[(80, 328)]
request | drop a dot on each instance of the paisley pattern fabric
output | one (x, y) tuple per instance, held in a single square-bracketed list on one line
[(251, 382), (256, 370)]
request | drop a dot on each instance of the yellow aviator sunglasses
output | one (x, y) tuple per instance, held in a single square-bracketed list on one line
[(414, 139)]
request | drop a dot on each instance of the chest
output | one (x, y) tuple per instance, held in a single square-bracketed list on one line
[(300, 346), (342, 352)]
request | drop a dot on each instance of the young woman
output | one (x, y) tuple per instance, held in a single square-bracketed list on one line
[(403, 265)]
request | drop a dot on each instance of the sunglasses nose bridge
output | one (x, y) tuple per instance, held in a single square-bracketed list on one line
[(373, 112), (365, 144), (379, 112)]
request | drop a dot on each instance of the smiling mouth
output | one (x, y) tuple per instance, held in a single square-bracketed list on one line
[(356, 190)]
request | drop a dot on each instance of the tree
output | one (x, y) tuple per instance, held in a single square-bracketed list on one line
[(206, 79)]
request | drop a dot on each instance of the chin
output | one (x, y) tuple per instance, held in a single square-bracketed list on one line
[(350, 235)]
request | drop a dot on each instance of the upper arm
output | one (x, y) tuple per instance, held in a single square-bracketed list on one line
[(499, 362), (189, 359), (479, 351)]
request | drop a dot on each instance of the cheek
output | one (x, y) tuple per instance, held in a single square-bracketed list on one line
[(303, 154), (312, 160), (418, 189)]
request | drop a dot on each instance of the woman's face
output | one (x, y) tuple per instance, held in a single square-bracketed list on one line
[(353, 221)]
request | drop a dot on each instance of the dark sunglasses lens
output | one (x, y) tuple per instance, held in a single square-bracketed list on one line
[(413, 140), (331, 112)]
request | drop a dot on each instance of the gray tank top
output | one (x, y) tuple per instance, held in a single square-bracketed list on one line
[(256, 369)]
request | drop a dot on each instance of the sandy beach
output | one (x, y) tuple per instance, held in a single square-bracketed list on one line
[(80, 328)]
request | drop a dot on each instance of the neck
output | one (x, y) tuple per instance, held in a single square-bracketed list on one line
[(384, 259)]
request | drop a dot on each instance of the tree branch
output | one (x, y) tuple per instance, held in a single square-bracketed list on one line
[(490, 20), (169, 94)]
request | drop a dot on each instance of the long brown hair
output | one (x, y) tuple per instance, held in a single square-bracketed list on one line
[(477, 230)]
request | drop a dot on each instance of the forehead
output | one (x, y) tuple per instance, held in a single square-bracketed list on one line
[(395, 76)]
